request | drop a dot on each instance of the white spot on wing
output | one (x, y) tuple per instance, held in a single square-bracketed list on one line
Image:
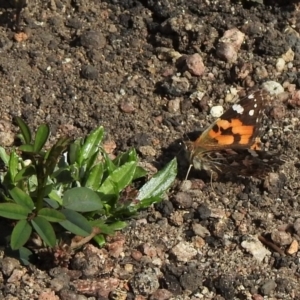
[(255, 105), (251, 96), (251, 112), (238, 108)]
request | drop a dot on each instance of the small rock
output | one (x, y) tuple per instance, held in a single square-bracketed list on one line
[(281, 238), (226, 52), (280, 64), (8, 265), (230, 44), (149, 250), (217, 111), (147, 151), (183, 200), (294, 101), (185, 185), (255, 247), (145, 282), (261, 72), (176, 218), (184, 251), (268, 287), (195, 64), (200, 230), (89, 72), (257, 297), (161, 294), (278, 113), (136, 255), (174, 105), (203, 212), (93, 40), (127, 107), (198, 242), (288, 56), (293, 248), (273, 87), (297, 226)]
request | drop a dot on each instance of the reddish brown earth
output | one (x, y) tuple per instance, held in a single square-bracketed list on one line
[(127, 65)]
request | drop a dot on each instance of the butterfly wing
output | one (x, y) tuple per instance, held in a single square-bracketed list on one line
[(237, 128)]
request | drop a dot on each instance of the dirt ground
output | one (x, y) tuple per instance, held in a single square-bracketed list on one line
[(123, 64)]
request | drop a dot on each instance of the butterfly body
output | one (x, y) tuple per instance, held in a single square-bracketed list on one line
[(232, 140)]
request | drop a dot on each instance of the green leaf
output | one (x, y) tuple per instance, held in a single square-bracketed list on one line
[(139, 173), (94, 177), (109, 166), (41, 137), (147, 202), (76, 223), (21, 198), (55, 195), (82, 199), (100, 240), (123, 158), (160, 182), (25, 173), (24, 130), (13, 165), (27, 148), (14, 211), (54, 154), (25, 255), (74, 152), (91, 144), (20, 234), (51, 215), (109, 229), (4, 156), (119, 178), (44, 230)]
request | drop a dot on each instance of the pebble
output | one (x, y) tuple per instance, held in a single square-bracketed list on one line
[(280, 64), (216, 111), (145, 282), (8, 265), (161, 294), (281, 238), (184, 251), (200, 230), (268, 287), (186, 185), (289, 55), (89, 72), (174, 105), (293, 248), (147, 151), (93, 40), (255, 247), (127, 107), (195, 64), (230, 44), (297, 226), (273, 87), (183, 200)]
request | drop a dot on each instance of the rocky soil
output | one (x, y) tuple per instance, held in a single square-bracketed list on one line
[(152, 73)]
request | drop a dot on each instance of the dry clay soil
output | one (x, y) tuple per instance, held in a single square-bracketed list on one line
[(81, 64)]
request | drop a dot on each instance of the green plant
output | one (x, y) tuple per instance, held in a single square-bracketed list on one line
[(73, 187)]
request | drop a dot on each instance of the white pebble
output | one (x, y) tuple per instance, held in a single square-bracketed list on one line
[(280, 64), (255, 247), (217, 111), (273, 87)]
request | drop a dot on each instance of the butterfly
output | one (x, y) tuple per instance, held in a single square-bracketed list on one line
[(232, 142)]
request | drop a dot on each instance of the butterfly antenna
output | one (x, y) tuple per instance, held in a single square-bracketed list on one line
[(188, 172)]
